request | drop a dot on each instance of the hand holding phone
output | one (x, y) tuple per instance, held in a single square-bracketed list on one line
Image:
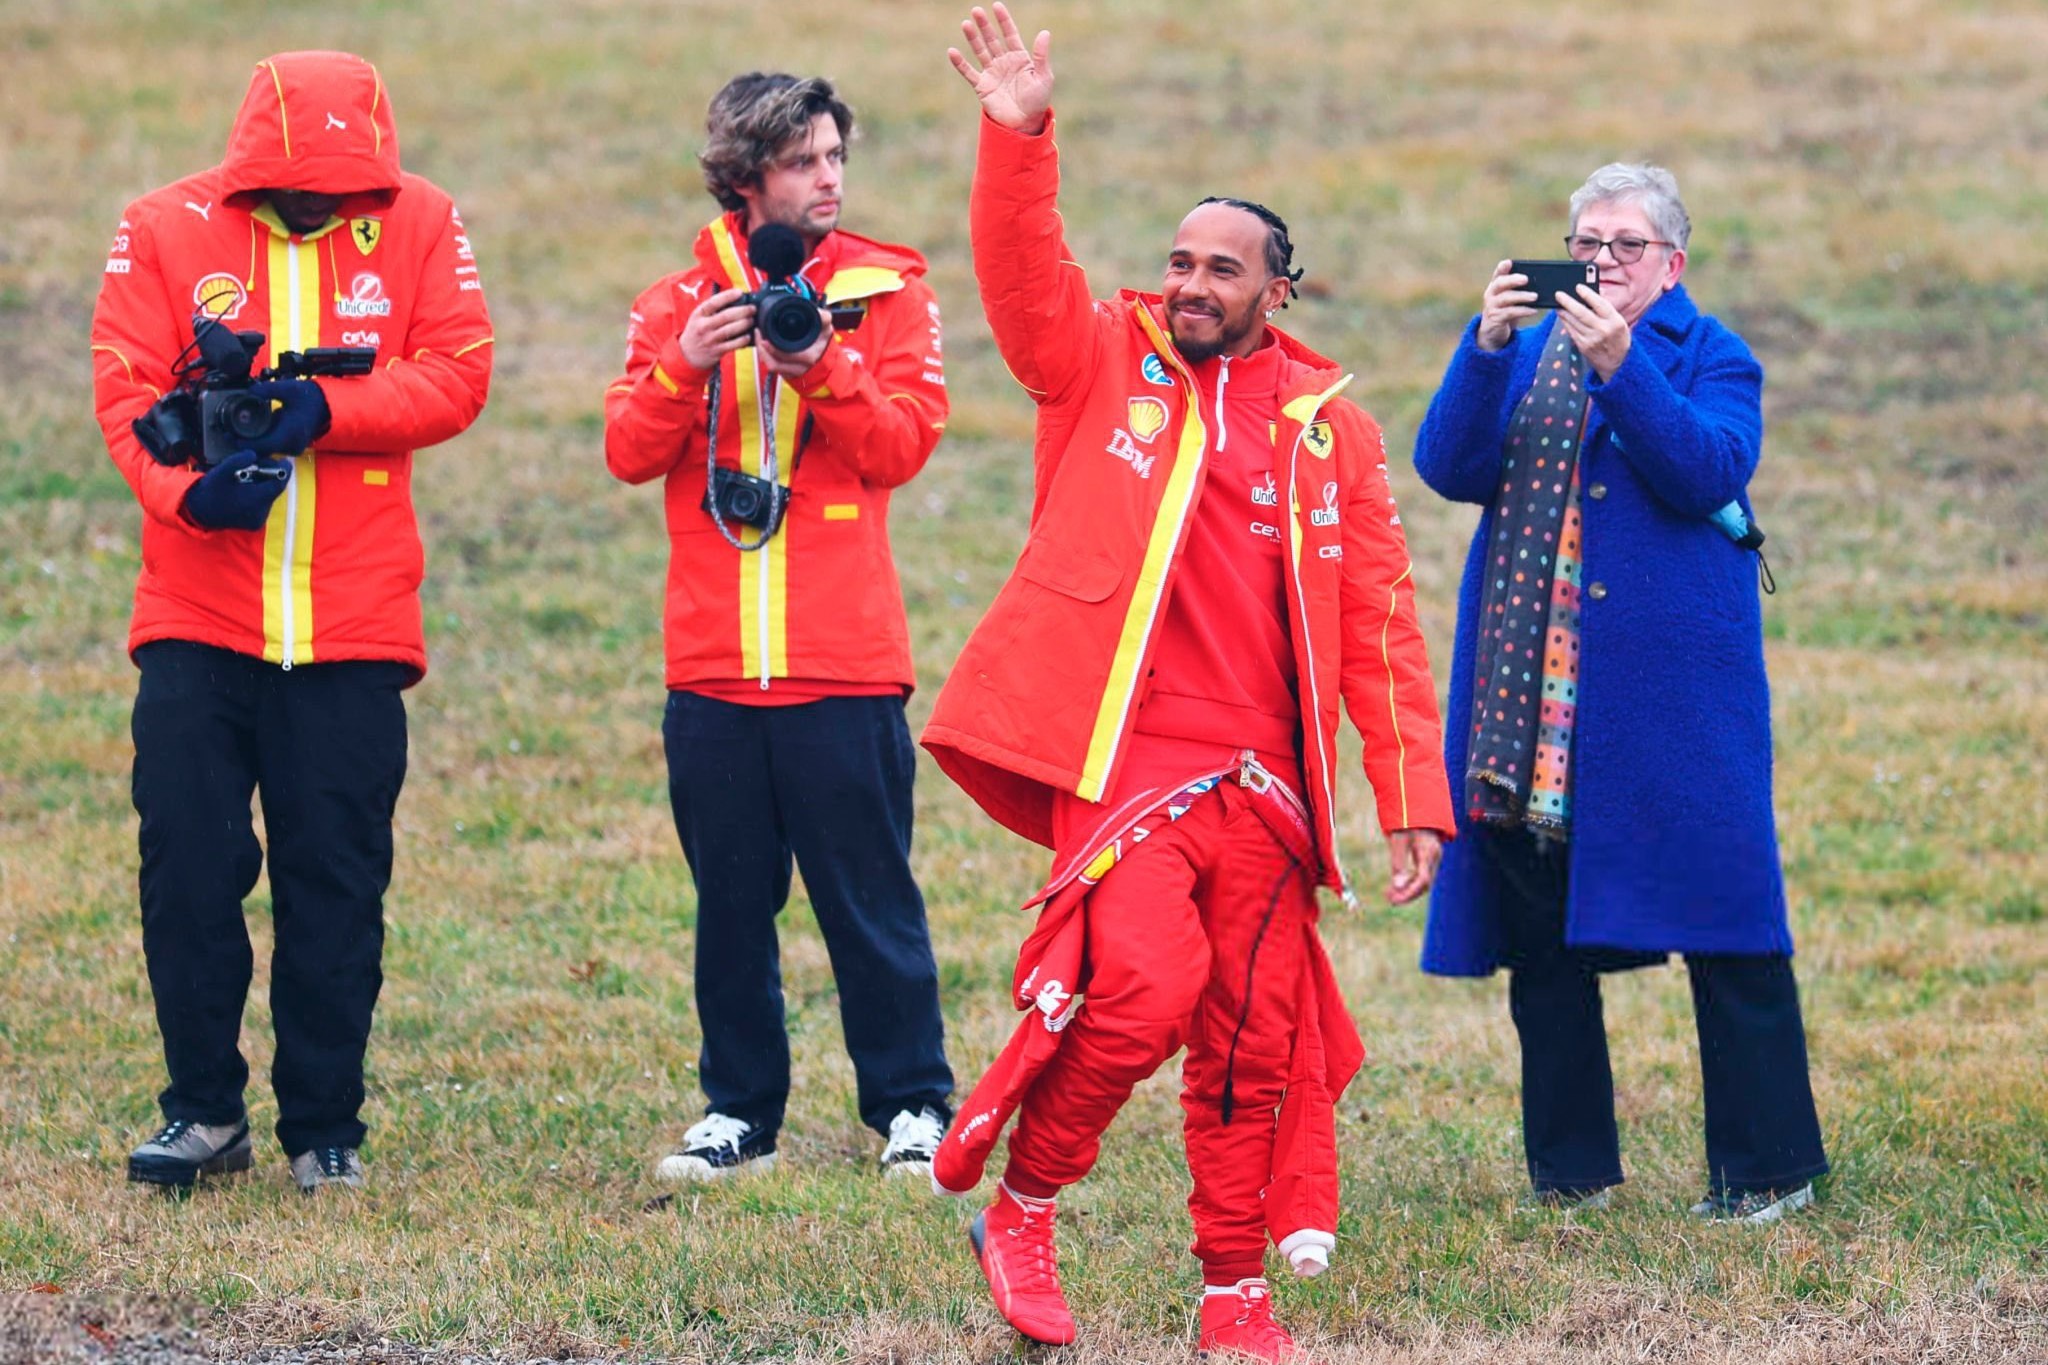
[(1548, 279)]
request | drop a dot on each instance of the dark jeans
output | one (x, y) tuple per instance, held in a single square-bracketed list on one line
[(827, 783), (1762, 1132), (325, 745)]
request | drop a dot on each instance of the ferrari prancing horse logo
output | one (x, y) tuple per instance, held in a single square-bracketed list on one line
[(1317, 439), (365, 233)]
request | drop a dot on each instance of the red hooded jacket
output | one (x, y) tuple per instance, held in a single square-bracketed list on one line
[(1044, 696), (335, 573), (819, 603)]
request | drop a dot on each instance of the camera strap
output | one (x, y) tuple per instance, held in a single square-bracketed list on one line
[(714, 394)]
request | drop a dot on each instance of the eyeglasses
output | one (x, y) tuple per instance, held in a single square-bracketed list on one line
[(1626, 250)]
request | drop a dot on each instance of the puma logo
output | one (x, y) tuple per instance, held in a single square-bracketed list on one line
[(693, 290), (203, 210), (333, 122)]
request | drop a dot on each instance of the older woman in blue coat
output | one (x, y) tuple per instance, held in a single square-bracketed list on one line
[(1609, 716)]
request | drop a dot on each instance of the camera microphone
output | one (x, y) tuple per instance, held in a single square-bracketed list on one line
[(775, 250)]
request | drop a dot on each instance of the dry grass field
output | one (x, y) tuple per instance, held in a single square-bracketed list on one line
[(1866, 182)]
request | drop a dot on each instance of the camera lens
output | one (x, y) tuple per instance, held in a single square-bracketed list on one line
[(246, 417), (742, 502), (790, 323)]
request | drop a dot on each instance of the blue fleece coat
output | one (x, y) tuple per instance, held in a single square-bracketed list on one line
[(1673, 844)]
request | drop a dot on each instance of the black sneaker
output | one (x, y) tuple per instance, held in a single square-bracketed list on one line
[(181, 1152), (325, 1168), (717, 1146), (1754, 1207), (913, 1141)]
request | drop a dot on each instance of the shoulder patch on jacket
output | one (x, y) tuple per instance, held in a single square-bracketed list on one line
[(862, 282)]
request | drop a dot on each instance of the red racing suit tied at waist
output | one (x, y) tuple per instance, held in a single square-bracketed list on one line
[(1049, 986)]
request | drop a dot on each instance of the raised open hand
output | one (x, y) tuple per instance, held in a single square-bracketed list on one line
[(1014, 83)]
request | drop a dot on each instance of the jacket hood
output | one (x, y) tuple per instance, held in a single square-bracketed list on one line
[(315, 121), (1303, 359)]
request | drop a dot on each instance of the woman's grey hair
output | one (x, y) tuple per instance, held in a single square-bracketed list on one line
[(1652, 188), (753, 119)]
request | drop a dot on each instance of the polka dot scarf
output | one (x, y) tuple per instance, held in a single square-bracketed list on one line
[(1526, 681)]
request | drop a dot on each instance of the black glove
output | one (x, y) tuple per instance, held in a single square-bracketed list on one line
[(300, 419), (235, 495)]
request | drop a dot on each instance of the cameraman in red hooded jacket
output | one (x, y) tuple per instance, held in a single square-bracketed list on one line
[(277, 616)]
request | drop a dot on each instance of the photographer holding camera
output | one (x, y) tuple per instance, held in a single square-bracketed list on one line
[(277, 615), (783, 385)]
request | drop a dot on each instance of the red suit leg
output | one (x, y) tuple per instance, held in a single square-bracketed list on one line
[(1148, 961), (1256, 905)]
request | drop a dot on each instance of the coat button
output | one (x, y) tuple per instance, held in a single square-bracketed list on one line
[(1597, 591), (1598, 491)]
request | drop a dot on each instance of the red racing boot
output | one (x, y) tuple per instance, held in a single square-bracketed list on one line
[(1241, 1323), (1012, 1239)]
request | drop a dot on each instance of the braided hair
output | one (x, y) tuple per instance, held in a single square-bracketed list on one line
[(1279, 246)]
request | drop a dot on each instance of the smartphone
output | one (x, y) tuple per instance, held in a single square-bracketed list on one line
[(1548, 279)]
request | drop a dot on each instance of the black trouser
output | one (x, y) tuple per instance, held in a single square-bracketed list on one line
[(828, 782), (325, 745), (1762, 1132)]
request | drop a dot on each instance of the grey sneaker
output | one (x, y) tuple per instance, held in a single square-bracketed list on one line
[(326, 1168), (913, 1141), (1755, 1208), (181, 1152)]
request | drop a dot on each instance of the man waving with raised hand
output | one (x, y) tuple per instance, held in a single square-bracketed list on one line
[(1214, 559)]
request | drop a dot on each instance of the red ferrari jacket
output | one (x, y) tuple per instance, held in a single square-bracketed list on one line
[(335, 573), (1043, 697), (820, 601)]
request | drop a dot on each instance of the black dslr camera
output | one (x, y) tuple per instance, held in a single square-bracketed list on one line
[(735, 495), (785, 308), (211, 413)]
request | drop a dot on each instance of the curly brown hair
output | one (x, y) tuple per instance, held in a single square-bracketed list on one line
[(755, 117)]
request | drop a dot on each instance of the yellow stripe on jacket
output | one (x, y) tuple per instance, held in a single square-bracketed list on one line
[(295, 312)]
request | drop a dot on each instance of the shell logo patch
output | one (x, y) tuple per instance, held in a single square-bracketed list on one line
[(1318, 440), (219, 296), (1148, 418)]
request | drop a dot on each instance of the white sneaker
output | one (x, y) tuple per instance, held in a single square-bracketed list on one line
[(717, 1146), (913, 1141)]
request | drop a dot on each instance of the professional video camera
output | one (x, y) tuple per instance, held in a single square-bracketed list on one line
[(211, 413)]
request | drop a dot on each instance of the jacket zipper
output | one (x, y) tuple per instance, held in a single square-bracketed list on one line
[(767, 403), (1222, 383), (291, 488)]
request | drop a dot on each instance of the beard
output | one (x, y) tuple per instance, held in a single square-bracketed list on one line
[(1230, 331)]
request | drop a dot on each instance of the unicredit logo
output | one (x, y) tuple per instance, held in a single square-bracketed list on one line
[(366, 298)]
